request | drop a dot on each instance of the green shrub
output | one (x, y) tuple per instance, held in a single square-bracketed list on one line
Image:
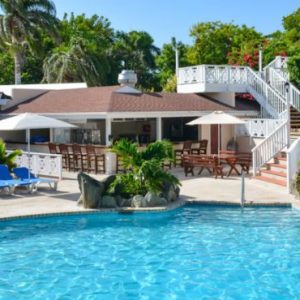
[(8, 158), (145, 167)]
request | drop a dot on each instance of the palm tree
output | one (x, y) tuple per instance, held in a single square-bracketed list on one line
[(8, 159), (74, 63), (21, 25)]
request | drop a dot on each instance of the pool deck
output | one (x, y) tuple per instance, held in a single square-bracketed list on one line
[(206, 190)]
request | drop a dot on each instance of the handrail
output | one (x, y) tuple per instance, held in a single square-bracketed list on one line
[(272, 97), (283, 60), (293, 156), (269, 147), (277, 81)]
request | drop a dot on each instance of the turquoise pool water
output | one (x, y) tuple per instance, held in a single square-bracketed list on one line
[(195, 252)]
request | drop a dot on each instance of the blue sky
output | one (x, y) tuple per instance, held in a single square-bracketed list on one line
[(166, 18)]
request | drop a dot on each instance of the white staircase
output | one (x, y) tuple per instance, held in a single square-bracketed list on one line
[(269, 89)]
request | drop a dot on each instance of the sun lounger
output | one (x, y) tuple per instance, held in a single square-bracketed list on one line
[(23, 174), (8, 182)]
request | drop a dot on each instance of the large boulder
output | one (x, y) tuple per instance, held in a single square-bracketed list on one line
[(91, 191), (123, 202), (170, 192), (108, 202), (152, 200), (138, 201)]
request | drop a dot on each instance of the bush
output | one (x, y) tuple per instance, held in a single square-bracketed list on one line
[(146, 168), (8, 159)]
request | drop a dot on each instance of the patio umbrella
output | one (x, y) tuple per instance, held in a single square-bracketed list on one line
[(217, 118), (28, 121)]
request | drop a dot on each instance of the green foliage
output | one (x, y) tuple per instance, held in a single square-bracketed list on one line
[(294, 69), (171, 85), (166, 64), (8, 159), (145, 165), (136, 51), (21, 27), (83, 54)]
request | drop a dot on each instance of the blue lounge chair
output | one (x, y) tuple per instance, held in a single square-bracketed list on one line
[(23, 174), (7, 181)]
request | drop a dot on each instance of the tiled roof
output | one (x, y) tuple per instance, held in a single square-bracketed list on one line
[(106, 99)]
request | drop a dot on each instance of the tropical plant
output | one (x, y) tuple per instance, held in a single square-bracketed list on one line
[(145, 167), (22, 25), (8, 158), (83, 54)]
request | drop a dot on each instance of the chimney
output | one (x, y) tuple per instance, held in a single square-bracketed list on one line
[(127, 78)]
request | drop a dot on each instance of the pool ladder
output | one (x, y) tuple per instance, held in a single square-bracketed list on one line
[(243, 200)]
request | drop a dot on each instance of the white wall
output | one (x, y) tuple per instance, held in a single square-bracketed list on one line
[(226, 98)]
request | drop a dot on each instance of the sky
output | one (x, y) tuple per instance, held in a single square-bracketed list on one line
[(164, 19)]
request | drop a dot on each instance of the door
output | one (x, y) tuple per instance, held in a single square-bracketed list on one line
[(214, 138)]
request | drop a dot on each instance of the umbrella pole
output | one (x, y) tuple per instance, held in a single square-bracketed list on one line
[(219, 135), (28, 151)]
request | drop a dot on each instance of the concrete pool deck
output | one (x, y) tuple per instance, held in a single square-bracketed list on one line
[(194, 189)]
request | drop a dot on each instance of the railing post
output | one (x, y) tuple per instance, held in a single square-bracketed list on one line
[(254, 163)]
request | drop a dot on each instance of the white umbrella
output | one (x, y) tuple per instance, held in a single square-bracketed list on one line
[(29, 121), (217, 118)]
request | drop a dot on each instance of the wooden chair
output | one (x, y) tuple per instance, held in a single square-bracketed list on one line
[(178, 152), (52, 148), (91, 157), (63, 149), (100, 159), (84, 157), (203, 147), (78, 165)]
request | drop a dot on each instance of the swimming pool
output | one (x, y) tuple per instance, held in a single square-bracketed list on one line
[(195, 252)]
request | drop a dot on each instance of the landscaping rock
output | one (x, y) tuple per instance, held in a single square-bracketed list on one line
[(138, 201), (108, 202), (170, 192), (153, 200), (91, 191)]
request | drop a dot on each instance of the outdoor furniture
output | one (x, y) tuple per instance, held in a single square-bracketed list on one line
[(234, 159), (199, 147), (26, 176), (208, 162), (6, 180), (53, 148), (178, 151), (65, 156), (100, 159)]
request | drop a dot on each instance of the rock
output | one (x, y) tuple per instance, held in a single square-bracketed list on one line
[(138, 201), (91, 191), (170, 192), (153, 200), (108, 202), (124, 202)]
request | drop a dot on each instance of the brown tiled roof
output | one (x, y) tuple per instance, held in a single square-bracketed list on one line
[(106, 99)]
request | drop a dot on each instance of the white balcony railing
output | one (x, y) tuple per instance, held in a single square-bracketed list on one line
[(42, 164)]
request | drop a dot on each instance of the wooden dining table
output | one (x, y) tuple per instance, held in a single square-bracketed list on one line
[(232, 161)]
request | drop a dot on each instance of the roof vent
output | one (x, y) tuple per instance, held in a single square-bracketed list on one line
[(127, 78)]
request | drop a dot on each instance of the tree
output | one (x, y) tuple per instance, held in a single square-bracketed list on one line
[(8, 159), (165, 61), (83, 54), (136, 51), (216, 42), (21, 27)]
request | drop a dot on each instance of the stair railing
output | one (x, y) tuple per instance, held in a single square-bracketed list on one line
[(269, 147), (277, 81), (268, 97)]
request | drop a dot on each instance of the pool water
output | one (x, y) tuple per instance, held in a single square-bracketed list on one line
[(195, 252)]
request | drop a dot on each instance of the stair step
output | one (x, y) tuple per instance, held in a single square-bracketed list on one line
[(273, 174), (279, 166), (271, 180)]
